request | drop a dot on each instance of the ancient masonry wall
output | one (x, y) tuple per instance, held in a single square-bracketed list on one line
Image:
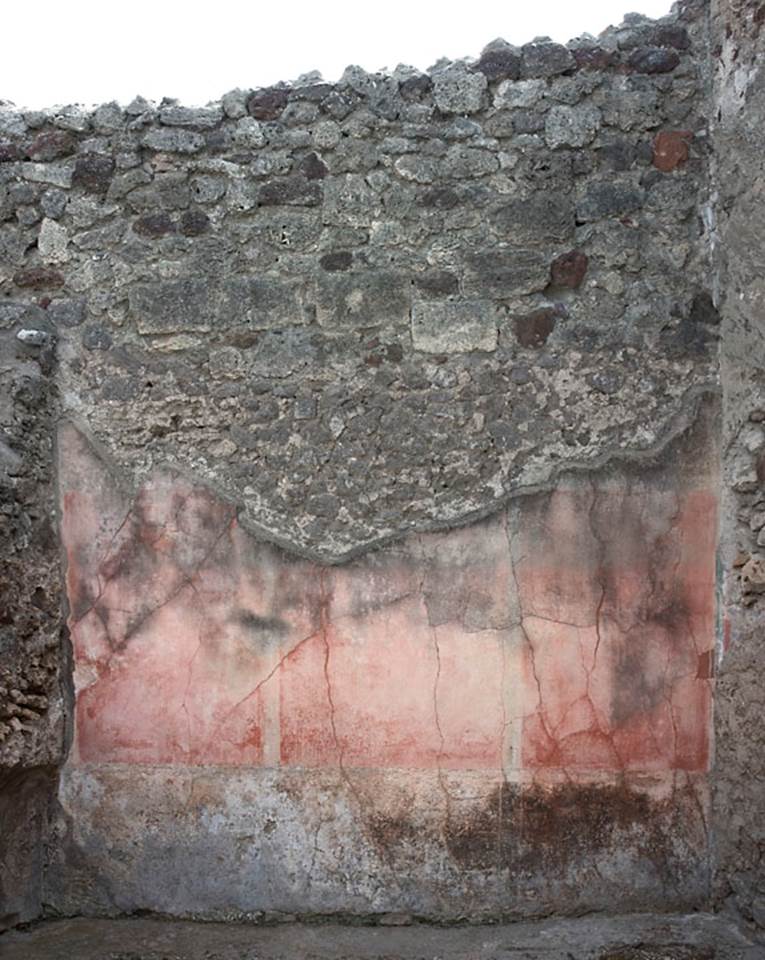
[(740, 254), (387, 420)]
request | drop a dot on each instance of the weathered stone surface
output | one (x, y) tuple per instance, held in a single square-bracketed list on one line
[(267, 104), (543, 216), (569, 269), (93, 172), (609, 198), (545, 59), (360, 299), (296, 191), (534, 329), (52, 242), (171, 306), (654, 60), (454, 327), (506, 272), (571, 126), (671, 149), (457, 90), (173, 141), (499, 61)]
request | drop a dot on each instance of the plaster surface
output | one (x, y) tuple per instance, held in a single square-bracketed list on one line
[(526, 697)]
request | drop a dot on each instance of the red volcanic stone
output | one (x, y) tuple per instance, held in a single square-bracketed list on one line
[(8, 152), (52, 146), (670, 149), (654, 60), (93, 172), (313, 167), (569, 269), (194, 223), (154, 225), (594, 58), (534, 329), (36, 278), (267, 104)]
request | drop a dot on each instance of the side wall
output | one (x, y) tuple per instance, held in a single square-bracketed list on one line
[(31, 625), (738, 45)]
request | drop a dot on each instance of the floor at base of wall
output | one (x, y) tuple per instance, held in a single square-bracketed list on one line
[(635, 937)]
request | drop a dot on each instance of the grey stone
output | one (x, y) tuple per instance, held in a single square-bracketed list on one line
[(543, 217), (367, 298), (173, 306), (234, 103), (454, 326), (262, 303), (53, 203), (96, 338), (504, 272), (198, 118), (545, 59), (52, 242), (66, 313), (173, 140), (608, 198), (457, 90), (499, 60), (32, 337), (571, 126)]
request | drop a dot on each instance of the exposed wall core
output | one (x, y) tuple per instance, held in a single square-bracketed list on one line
[(388, 437)]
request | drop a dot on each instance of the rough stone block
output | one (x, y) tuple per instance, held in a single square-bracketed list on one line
[(362, 299), (454, 326), (571, 126), (505, 272), (262, 303), (457, 90), (544, 217), (173, 306)]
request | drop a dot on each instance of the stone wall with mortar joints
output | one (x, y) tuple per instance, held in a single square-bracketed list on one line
[(379, 305), (31, 653), (737, 43), (362, 311)]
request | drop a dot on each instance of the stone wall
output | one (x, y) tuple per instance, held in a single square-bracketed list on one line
[(388, 483), (737, 39), (32, 652)]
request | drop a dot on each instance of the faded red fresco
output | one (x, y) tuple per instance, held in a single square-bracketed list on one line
[(570, 633)]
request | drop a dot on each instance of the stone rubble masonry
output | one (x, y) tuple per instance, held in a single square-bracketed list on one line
[(338, 370)]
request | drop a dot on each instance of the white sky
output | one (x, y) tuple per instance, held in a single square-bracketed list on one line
[(91, 51)]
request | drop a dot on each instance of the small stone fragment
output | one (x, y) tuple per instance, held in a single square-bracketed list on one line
[(454, 326), (313, 167), (93, 172), (52, 242), (194, 223), (571, 126), (338, 260), (38, 278), (569, 269), (499, 61), (268, 104), (154, 225), (654, 60), (51, 146), (534, 329), (292, 191), (671, 149), (545, 59)]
